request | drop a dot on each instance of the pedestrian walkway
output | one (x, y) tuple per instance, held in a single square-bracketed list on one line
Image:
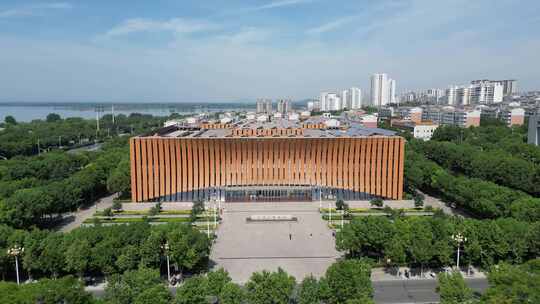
[(407, 273), (75, 219)]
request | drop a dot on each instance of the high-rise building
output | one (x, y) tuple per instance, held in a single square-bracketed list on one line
[(284, 106), (260, 105), (345, 100), (486, 92), (533, 137), (264, 105), (330, 102), (383, 90), (392, 91), (509, 86), (268, 106), (458, 95), (355, 99)]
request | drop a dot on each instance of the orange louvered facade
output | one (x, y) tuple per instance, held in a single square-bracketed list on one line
[(184, 169)]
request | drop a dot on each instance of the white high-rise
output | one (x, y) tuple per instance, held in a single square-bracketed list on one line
[(345, 98), (330, 102), (383, 90), (355, 99), (392, 91)]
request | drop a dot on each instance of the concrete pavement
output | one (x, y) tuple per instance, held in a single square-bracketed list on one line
[(301, 248)]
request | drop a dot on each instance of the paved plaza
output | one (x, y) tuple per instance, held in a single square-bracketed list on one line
[(301, 248)]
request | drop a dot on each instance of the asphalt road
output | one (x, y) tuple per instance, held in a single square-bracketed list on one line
[(415, 291), (391, 292)]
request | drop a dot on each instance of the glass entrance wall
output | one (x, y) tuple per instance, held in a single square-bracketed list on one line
[(268, 194), (299, 193)]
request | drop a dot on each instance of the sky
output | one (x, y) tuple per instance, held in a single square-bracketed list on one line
[(232, 50)]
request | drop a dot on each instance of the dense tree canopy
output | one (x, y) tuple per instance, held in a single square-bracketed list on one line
[(103, 250), (424, 241)]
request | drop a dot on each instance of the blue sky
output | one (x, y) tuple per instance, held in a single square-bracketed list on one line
[(217, 50)]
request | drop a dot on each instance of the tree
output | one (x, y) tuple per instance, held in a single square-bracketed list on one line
[(514, 284), (193, 291), (452, 288), (116, 205), (78, 256), (270, 287), (349, 279), (107, 212), (157, 294), (421, 243), (418, 200), (308, 291), (376, 202), (217, 280), (340, 205), (196, 209), (64, 290), (119, 181), (232, 294), (136, 285), (53, 117), (187, 246), (10, 120)]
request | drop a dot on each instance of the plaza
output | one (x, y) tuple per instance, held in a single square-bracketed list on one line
[(303, 247)]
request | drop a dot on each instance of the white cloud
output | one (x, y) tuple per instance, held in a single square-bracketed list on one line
[(35, 9), (247, 35), (331, 26), (282, 3), (175, 25)]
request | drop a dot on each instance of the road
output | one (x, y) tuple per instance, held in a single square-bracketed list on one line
[(415, 291), (388, 292)]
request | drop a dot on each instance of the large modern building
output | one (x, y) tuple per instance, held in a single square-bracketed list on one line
[(272, 161)]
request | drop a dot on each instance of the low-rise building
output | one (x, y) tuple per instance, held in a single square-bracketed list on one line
[(452, 116), (419, 130), (369, 121)]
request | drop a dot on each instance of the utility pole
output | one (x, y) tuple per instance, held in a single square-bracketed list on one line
[(112, 114)]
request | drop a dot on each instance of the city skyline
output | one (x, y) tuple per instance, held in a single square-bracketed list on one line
[(216, 51)]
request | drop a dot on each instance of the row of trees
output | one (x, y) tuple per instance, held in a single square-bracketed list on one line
[(30, 201), (104, 250), (481, 198), (421, 241), (53, 132), (346, 282), (493, 165), (508, 284)]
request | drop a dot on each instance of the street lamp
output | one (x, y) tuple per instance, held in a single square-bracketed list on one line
[(165, 248), (342, 215), (207, 221), (459, 239), (15, 251), (330, 214)]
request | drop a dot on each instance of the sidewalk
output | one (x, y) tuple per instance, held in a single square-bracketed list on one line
[(396, 274)]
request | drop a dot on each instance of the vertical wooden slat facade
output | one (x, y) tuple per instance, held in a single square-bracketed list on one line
[(171, 168)]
